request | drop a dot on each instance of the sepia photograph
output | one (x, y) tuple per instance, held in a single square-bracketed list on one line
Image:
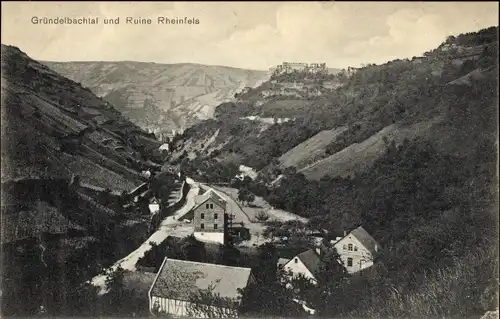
[(293, 159)]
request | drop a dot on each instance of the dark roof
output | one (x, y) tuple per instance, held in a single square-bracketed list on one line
[(180, 279), (365, 239), (310, 259)]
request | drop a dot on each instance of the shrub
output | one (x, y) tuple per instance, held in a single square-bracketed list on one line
[(262, 216)]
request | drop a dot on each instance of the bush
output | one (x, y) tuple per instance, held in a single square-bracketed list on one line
[(262, 216)]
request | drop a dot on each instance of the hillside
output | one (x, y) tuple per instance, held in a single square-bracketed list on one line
[(53, 127), (62, 147), (161, 96), (407, 149), (374, 105)]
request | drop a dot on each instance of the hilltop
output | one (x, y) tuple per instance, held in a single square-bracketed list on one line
[(161, 97)]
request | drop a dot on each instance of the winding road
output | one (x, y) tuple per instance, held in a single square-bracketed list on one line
[(129, 262)]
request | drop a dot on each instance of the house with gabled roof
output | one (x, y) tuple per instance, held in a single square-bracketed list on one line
[(209, 217), (305, 263), (356, 249), (179, 283)]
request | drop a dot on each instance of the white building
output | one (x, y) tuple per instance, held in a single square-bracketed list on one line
[(154, 206), (305, 263), (178, 282), (356, 249), (164, 147)]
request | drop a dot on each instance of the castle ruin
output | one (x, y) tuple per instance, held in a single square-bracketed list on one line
[(312, 68)]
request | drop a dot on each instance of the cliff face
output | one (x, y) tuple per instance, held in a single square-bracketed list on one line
[(161, 96)]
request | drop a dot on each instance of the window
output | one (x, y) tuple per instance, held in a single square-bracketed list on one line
[(349, 247), (211, 206), (345, 247), (202, 216), (355, 248), (207, 206), (202, 226), (215, 226), (296, 260), (216, 216), (349, 262)]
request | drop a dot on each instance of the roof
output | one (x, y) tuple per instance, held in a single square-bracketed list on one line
[(210, 194), (364, 238), (180, 279), (310, 259), (283, 261)]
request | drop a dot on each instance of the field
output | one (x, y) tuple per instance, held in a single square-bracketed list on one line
[(304, 153)]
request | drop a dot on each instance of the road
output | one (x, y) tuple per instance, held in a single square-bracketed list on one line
[(168, 227)]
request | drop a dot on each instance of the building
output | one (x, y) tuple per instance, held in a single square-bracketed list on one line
[(356, 249), (178, 282), (289, 67), (164, 147), (209, 217), (154, 205), (317, 68), (305, 263)]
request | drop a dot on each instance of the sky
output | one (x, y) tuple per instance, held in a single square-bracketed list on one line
[(252, 35)]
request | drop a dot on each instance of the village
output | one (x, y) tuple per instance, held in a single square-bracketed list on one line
[(218, 216)]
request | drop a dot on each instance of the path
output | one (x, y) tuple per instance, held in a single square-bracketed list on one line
[(129, 262)]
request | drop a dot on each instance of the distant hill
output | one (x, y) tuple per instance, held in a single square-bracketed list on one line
[(161, 96)]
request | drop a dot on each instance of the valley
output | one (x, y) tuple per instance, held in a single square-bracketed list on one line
[(371, 191)]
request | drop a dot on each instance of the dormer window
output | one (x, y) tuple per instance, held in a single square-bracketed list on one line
[(349, 247)]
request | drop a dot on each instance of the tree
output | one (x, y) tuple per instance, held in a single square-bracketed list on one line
[(262, 216), (193, 249), (229, 255), (332, 276), (115, 286), (245, 196), (270, 300)]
